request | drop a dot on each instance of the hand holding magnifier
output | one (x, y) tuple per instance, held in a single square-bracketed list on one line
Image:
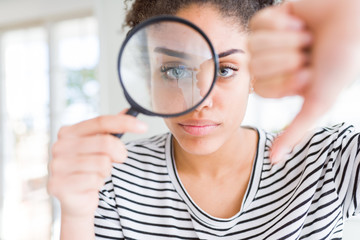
[(167, 66)]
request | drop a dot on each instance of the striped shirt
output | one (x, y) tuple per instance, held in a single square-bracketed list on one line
[(308, 196)]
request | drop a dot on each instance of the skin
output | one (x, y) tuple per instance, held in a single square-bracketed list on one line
[(318, 76)]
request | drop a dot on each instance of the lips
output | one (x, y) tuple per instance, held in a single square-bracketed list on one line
[(199, 127)]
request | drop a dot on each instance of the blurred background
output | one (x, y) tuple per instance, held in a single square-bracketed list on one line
[(58, 67)]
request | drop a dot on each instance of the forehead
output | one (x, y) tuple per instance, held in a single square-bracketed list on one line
[(224, 32), (179, 37)]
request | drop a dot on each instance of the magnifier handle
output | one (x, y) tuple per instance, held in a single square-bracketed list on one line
[(131, 112)]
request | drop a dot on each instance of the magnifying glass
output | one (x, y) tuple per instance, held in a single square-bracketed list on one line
[(167, 66)]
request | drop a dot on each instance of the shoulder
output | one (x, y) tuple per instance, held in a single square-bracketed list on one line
[(333, 135), (146, 157), (145, 165), (321, 143), (338, 130), (313, 157), (148, 150), (155, 143)]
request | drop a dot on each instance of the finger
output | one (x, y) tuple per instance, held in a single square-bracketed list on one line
[(97, 144), (262, 41), (77, 183), (271, 87), (313, 108), (277, 63), (276, 18), (279, 86), (300, 81), (123, 111), (96, 164), (104, 124)]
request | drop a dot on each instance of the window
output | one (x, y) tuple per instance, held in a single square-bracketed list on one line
[(77, 53), (25, 55), (49, 79)]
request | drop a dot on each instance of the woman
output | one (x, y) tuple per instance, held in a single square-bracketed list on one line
[(209, 177)]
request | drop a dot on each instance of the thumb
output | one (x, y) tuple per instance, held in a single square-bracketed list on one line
[(311, 111)]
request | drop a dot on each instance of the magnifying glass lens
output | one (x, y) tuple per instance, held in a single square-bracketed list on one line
[(167, 68)]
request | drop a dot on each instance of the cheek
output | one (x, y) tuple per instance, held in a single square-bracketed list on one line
[(236, 103), (234, 99), (170, 123)]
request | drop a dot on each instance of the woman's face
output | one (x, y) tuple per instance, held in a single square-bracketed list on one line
[(180, 64), (217, 120)]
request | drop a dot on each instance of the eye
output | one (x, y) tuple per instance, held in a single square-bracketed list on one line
[(227, 71), (175, 72)]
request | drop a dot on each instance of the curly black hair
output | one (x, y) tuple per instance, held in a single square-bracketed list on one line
[(239, 9)]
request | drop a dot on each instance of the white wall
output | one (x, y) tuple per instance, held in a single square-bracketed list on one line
[(22, 12)]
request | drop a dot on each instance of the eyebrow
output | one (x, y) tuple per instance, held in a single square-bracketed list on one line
[(230, 51), (174, 53)]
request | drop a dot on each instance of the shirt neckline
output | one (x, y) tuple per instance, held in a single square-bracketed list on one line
[(194, 209)]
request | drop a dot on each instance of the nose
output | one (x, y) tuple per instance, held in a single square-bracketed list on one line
[(207, 103), (205, 77)]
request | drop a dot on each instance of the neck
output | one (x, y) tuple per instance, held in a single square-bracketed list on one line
[(236, 154)]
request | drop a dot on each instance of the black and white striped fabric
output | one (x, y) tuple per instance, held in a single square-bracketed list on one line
[(309, 196)]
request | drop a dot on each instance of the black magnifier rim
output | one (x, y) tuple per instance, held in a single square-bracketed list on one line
[(157, 19)]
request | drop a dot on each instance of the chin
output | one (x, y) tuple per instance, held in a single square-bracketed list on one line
[(199, 146)]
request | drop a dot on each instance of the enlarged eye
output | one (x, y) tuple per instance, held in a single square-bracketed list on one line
[(175, 72)]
